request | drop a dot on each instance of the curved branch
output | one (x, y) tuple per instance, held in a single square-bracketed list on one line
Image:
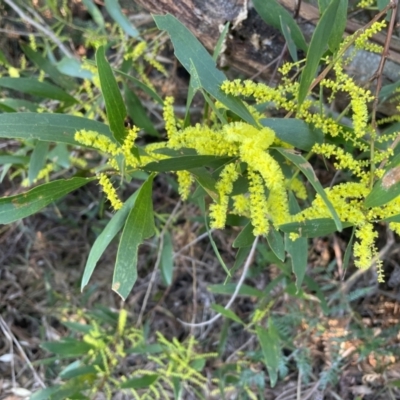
[(235, 293)]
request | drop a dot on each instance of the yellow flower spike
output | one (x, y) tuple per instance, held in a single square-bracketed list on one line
[(169, 116), (218, 212), (137, 51), (110, 191), (240, 204), (127, 146), (122, 318), (185, 180), (258, 204), (364, 249)]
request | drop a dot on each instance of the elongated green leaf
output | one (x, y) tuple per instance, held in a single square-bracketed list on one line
[(291, 45), (116, 14), (317, 48), (77, 327), (229, 289), (104, 239), (76, 369), (322, 6), (206, 181), (138, 227), (148, 90), (276, 243), (297, 249), (220, 42), (312, 228), (393, 218), (4, 107), (227, 313), (202, 207), (115, 106), (245, 237), (306, 168), (339, 26), (38, 159), (22, 205), (385, 189), (51, 70), (9, 159), (45, 394), (47, 127), (185, 163), (269, 341), (167, 259), (36, 88), (272, 12), (19, 104), (139, 383), (138, 113), (67, 347), (73, 68), (189, 50), (295, 132), (94, 12)]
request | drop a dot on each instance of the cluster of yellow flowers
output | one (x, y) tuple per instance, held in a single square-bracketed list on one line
[(250, 149)]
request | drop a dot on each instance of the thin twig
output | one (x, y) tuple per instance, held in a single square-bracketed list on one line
[(157, 264), (5, 327), (198, 239), (41, 28), (236, 292)]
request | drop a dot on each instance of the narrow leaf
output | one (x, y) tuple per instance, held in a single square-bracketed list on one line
[(148, 90), (22, 205), (107, 235), (47, 127), (67, 348), (227, 313), (167, 259), (385, 189), (116, 14), (138, 227), (306, 168), (272, 12), (116, 111), (339, 26), (289, 40), (51, 70), (38, 159), (245, 237), (185, 163), (36, 88), (19, 104), (317, 48), (10, 159), (295, 132), (94, 12), (138, 113), (297, 249), (276, 243), (312, 228), (269, 341), (74, 68), (189, 50), (139, 383)]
